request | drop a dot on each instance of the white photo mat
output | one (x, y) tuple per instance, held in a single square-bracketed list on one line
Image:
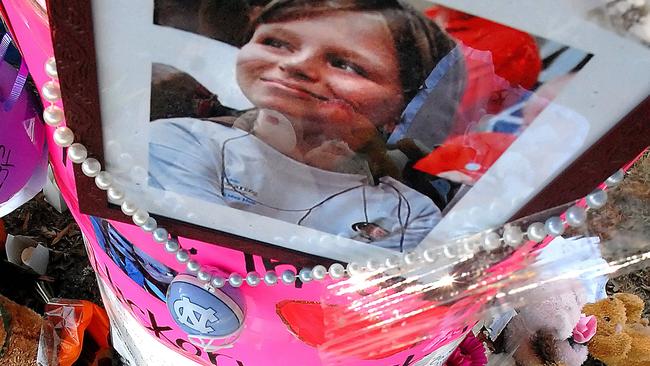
[(608, 87)]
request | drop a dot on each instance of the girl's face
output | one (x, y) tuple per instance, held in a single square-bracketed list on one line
[(339, 68)]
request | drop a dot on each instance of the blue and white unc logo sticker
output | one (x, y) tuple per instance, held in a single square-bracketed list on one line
[(202, 313), (194, 316)]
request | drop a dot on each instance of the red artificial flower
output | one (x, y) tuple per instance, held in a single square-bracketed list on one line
[(471, 352), (585, 329)]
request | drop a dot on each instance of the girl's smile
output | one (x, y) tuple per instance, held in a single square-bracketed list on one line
[(292, 88), (327, 69)]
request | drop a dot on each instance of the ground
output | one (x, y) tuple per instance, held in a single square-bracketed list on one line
[(69, 274)]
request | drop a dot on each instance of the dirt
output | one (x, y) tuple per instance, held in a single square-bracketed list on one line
[(69, 274)]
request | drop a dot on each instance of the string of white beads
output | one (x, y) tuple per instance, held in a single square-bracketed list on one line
[(512, 235)]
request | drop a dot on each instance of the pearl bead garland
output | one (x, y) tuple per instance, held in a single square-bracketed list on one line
[(203, 276), (128, 208), (513, 236), (51, 91), (393, 261), (615, 179), (103, 180), (235, 280), (373, 265), (77, 153), (270, 278), (536, 232), (182, 256), (449, 251), (554, 226), (353, 268), (337, 271), (596, 199), (172, 246), (429, 255), (253, 279), (150, 225), (91, 167), (63, 136), (319, 272), (218, 282), (305, 275), (115, 194), (288, 277), (53, 115), (469, 246), (491, 240), (576, 216), (160, 235), (140, 217), (411, 258), (193, 266), (50, 68)]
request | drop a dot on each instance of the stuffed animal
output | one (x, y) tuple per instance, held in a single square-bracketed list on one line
[(20, 329), (546, 332), (623, 337)]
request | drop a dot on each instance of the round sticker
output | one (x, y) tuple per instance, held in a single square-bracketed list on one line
[(204, 312)]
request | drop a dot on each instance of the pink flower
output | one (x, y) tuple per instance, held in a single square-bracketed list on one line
[(585, 329), (469, 353)]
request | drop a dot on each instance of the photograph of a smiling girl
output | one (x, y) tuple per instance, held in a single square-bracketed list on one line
[(329, 80)]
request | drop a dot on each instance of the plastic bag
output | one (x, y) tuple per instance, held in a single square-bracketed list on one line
[(74, 332), (433, 298)]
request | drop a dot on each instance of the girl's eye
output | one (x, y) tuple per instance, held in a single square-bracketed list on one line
[(275, 43), (348, 66)]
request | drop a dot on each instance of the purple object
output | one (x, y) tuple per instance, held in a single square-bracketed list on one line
[(23, 156)]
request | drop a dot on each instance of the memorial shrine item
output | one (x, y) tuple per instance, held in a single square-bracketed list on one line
[(229, 180)]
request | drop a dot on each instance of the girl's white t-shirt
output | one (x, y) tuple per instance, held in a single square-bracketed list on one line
[(190, 156)]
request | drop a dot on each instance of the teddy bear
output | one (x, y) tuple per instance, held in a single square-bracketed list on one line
[(20, 329), (551, 330), (622, 337)]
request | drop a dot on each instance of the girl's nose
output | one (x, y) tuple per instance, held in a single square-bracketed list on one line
[(301, 66)]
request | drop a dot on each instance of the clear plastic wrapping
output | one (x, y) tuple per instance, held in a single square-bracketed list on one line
[(74, 332), (435, 296)]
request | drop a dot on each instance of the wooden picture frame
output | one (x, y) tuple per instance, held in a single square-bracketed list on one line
[(607, 145)]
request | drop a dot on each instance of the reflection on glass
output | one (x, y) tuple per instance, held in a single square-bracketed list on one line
[(367, 117)]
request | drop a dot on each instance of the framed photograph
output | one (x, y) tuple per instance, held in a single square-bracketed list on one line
[(338, 130)]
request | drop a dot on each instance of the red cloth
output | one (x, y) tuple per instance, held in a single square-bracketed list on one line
[(502, 64), (480, 150), (515, 53)]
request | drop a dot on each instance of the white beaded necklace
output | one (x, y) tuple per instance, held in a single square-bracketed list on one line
[(512, 236)]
